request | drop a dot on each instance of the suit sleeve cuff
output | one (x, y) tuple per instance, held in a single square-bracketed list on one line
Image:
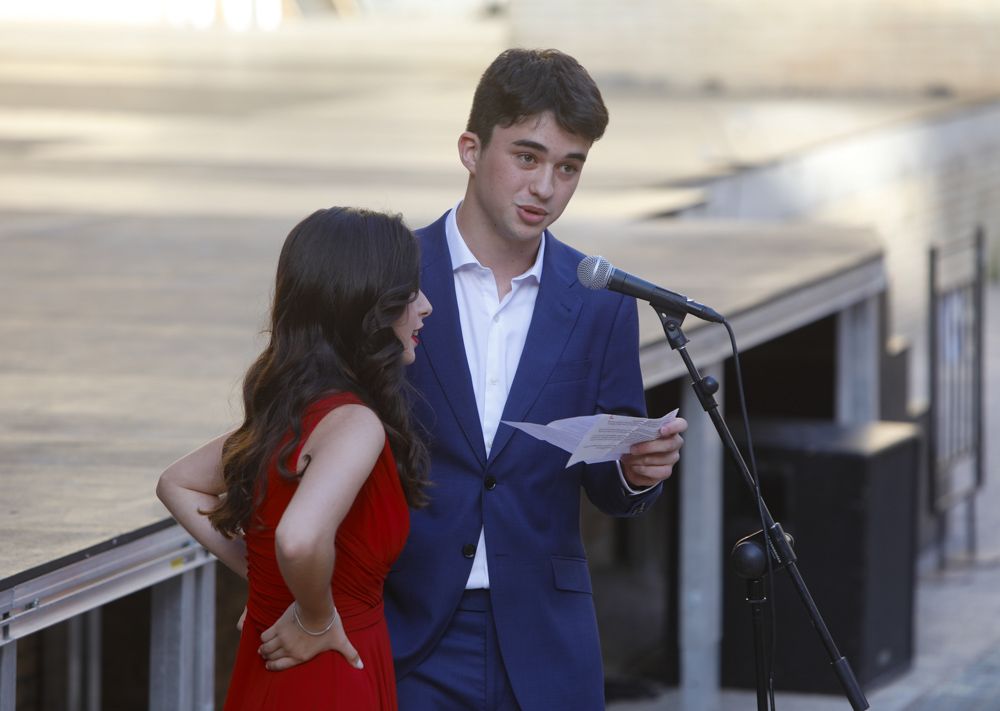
[(630, 490)]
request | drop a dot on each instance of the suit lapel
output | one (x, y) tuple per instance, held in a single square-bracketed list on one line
[(553, 320), (441, 337)]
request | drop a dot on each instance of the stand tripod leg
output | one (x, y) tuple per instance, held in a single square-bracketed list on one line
[(757, 597)]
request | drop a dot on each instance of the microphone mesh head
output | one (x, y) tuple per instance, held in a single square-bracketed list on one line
[(594, 272)]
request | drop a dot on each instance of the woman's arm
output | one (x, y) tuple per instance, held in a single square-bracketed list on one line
[(193, 483), (341, 452)]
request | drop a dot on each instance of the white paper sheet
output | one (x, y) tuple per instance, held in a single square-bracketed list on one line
[(595, 438)]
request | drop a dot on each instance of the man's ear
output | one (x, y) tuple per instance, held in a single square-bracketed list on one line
[(469, 149)]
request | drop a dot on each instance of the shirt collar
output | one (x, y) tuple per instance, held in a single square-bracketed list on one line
[(462, 256)]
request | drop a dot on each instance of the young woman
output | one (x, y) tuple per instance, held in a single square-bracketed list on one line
[(308, 499)]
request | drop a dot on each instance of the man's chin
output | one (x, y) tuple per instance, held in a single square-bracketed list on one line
[(532, 233)]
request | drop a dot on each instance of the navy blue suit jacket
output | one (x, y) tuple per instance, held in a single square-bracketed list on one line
[(580, 358)]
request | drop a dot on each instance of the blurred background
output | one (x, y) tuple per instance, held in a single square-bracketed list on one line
[(154, 154)]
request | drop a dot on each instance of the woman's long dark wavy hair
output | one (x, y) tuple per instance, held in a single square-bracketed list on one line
[(344, 277)]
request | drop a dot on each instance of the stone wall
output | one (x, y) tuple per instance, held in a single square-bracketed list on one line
[(929, 182), (825, 45)]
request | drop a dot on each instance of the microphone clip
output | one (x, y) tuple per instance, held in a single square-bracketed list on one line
[(671, 319)]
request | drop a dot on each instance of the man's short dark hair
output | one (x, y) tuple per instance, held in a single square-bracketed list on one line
[(527, 82)]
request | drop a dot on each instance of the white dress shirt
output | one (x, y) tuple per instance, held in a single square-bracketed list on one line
[(494, 331)]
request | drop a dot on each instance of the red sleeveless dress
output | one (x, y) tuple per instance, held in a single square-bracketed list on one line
[(369, 539)]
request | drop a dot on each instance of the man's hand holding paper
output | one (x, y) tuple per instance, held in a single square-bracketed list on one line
[(647, 448), (650, 462)]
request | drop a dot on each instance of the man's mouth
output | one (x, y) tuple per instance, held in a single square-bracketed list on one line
[(532, 213)]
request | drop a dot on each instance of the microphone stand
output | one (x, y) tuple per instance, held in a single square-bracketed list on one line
[(778, 543)]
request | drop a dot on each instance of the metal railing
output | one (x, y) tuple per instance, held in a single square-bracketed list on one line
[(955, 446), (181, 576)]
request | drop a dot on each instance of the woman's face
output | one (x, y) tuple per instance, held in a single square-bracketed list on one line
[(409, 324)]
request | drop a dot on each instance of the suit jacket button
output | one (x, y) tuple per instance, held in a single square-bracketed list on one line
[(469, 550), (491, 482)]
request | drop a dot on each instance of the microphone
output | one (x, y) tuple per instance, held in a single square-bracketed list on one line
[(597, 273)]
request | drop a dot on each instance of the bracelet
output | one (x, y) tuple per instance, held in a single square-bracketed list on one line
[(295, 614)]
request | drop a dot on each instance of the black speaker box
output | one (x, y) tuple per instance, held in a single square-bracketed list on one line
[(847, 494)]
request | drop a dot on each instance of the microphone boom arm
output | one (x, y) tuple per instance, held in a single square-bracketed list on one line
[(778, 545)]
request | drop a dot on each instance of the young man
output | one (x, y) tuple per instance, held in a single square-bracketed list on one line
[(490, 604)]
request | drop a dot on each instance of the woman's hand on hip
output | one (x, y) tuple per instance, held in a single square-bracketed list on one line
[(287, 643)]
